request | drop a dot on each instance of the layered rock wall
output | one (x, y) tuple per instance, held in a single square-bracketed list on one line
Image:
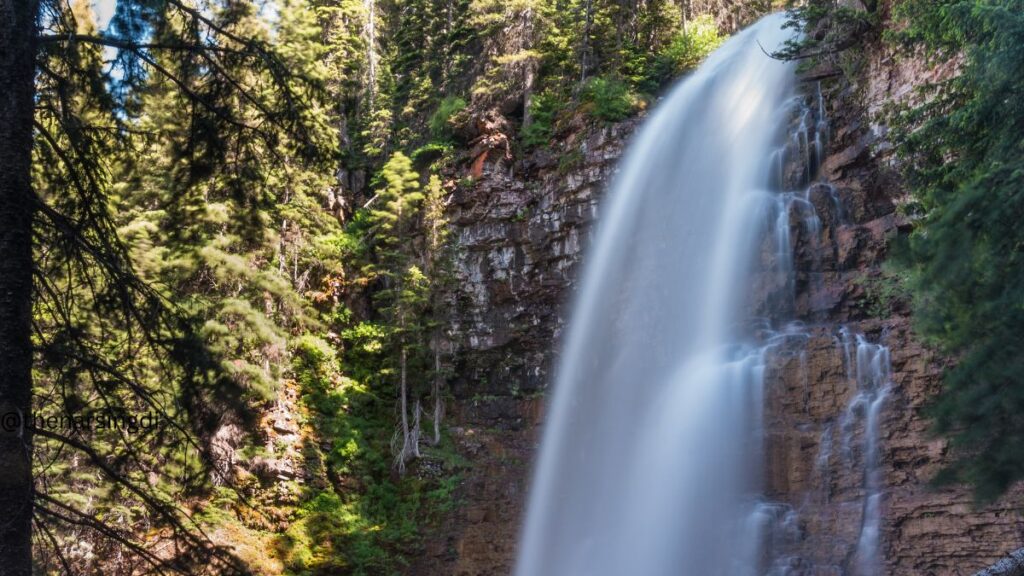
[(522, 227), (521, 231)]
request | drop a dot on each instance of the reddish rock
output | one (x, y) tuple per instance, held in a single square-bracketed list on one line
[(521, 234)]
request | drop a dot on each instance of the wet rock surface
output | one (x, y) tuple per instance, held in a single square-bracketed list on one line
[(522, 227)]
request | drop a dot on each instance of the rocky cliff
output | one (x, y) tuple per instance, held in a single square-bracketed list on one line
[(522, 228), (848, 383), (818, 406)]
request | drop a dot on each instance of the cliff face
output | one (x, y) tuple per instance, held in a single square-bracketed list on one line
[(818, 410), (521, 230), (847, 435)]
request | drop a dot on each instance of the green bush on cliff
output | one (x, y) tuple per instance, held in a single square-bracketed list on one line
[(440, 121), (544, 110), (609, 98), (686, 51)]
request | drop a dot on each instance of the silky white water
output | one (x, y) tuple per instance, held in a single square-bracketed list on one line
[(650, 463)]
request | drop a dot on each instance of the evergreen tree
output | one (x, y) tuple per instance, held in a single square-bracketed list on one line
[(106, 339), (437, 271), (404, 291), (965, 152)]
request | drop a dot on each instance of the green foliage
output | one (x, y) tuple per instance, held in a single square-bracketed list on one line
[(833, 35), (965, 155), (883, 293), (223, 253), (609, 99), (544, 110), (397, 202), (162, 285), (434, 154), (370, 530), (440, 120), (685, 51), (599, 54)]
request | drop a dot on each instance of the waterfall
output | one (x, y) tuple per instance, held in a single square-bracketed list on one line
[(872, 378), (651, 458)]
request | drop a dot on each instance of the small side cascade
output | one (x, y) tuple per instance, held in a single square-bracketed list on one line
[(849, 443), (770, 530), (796, 162), (849, 446), (872, 378), (794, 221), (867, 371), (821, 128), (822, 463)]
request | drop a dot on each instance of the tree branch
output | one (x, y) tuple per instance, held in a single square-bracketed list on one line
[(113, 42)]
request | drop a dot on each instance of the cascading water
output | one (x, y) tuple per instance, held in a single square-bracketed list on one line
[(652, 459), (870, 375), (650, 462)]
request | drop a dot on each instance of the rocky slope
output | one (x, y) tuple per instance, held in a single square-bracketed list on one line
[(522, 227)]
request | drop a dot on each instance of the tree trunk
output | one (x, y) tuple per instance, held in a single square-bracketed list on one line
[(588, 19), (529, 69), (438, 402), (371, 49), (414, 436), (403, 404), (17, 206)]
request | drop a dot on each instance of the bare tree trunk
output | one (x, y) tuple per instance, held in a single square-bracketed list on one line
[(436, 392), (17, 208), (529, 70), (371, 48), (1012, 565), (403, 403), (414, 436), (588, 19)]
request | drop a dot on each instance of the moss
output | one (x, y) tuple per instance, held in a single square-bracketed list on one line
[(569, 161), (883, 292)]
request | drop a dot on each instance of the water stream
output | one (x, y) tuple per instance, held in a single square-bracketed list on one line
[(651, 462)]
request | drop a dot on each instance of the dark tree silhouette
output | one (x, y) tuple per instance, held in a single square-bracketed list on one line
[(62, 262), (17, 207)]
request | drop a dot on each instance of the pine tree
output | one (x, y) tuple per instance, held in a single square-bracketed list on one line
[(404, 291), (106, 338), (437, 270), (963, 150)]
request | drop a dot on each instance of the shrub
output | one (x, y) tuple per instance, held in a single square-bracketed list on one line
[(686, 51), (440, 121), (609, 98), (544, 110)]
